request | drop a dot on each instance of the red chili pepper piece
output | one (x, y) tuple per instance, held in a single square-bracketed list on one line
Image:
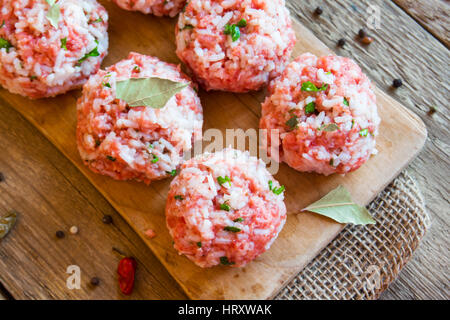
[(126, 272)]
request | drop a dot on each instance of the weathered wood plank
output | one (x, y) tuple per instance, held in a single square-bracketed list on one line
[(431, 14), (402, 49), (50, 194)]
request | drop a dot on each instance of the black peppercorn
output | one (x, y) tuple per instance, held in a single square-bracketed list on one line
[(362, 33), (60, 234), (341, 42), (107, 219), (318, 11), (95, 281), (397, 83)]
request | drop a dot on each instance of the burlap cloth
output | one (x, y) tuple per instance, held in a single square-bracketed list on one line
[(363, 260)]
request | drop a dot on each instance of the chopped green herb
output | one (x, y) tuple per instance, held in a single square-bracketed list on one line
[(94, 53), (155, 159), (270, 185), (310, 108), (346, 102), (173, 173), (64, 43), (232, 30), (137, 68), (225, 261), (329, 127), (222, 180), (292, 123), (110, 158), (308, 86), (199, 244), (278, 191), (328, 73), (364, 132), (353, 123), (332, 162), (242, 23), (3, 23), (232, 229), (178, 197), (225, 206), (188, 27), (98, 20), (97, 143), (33, 78), (238, 220), (150, 146), (106, 84), (5, 44)]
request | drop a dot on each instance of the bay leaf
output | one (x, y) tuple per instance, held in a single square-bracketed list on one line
[(7, 222), (339, 206), (150, 92), (53, 13)]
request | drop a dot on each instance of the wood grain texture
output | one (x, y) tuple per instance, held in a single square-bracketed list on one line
[(49, 194), (304, 234), (432, 15), (403, 49)]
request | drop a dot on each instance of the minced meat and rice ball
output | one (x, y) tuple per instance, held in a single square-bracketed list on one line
[(157, 7), (235, 45), (48, 47), (224, 208), (326, 112), (142, 142)]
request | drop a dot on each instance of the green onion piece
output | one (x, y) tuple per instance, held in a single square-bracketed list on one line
[(64, 43), (106, 85), (278, 191), (310, 108), (173, 173), (98, 20), (346, 102), (364, 132), (308, 86), (225, 261), (155, 159), (242, 23), (238, 220), (188, 27), (232, 30), (292, 123), (111, 158), (232, 229), (329, 127), (97, 143), (270, 185), (137, 68), (5, 44), (33, 78), (199, 244), (178, 197), (225, 206), (332, 162), (222, 180)]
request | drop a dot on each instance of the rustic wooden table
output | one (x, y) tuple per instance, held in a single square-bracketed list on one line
[(411, 43)]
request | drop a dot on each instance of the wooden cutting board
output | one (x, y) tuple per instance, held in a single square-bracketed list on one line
[(402, 135)]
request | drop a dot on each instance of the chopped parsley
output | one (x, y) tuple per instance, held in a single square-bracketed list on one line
[(111, 158), (308, 86), (222, 180), (225, 206), (232, 30), (5, 44), (199, 244), (64, 43), (364, 132), (155, 159), (275, 190), (179, 197), (232, 229), (93, 53), (106, 84), (173, 173), (238, 220), (225, 261), (329, 127), (292, 123), (346, 102), (310, 108)]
